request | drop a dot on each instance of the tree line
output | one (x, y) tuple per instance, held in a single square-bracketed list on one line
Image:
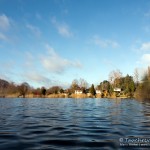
[(129, 85), (143, 89)]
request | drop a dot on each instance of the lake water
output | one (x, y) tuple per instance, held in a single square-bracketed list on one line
[(71, 124)]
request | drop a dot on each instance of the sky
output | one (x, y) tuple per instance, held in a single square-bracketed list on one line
[(53, 42)]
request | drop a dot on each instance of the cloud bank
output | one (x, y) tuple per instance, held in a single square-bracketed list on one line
[(57, 64)]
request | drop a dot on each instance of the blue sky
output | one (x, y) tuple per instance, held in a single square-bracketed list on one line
[(52, 42)]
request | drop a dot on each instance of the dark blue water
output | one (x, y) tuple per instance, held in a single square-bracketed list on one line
[(78, 124)]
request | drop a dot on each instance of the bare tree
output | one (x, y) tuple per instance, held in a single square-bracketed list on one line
[(74, 85), (148, 73), (54, 90), (136, 76), (114, 77), (23, 89), (12, 88), (83, 83), (3, 87)]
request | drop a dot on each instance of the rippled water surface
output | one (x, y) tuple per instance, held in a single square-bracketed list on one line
[(60, 124)]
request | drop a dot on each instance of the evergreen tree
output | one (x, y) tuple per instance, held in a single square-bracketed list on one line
[(92, 90), (106, 86), (61, 91), (43, 91)]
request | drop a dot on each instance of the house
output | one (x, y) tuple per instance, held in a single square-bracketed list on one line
[(78, 92), (117, 89), (98, 91)]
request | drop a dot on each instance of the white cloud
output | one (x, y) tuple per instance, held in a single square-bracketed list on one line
[(4, 22), (55, 63), (140, 47), (146, 29), (63, 29), (146, 59), (37, 78), (35, 30), (105, 43), (145, 46), (3, 37), (39, 69)]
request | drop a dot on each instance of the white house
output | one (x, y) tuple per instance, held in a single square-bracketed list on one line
[(117, 89), (98, 91), (78, 92)]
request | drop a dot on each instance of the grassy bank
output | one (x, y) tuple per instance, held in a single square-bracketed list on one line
[(63, 95)]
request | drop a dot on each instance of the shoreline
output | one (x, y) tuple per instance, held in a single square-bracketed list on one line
[(78, 96)]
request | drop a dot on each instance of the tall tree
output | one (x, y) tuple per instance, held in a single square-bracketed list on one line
[(61, 90), (12, 88), (54, 90), (92, 90), (43, 91), (3, 87), (114, 77), (105, 86), (23, 89), (127, 85), (143, 90), (136, 76), (74, 85), (83, 85)]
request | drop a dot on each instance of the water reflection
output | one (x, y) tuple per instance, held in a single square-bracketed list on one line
[(71, 123)]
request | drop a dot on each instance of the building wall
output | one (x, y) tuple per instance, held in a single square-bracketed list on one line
[(117, 90), (98, 92), (78, 92)]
